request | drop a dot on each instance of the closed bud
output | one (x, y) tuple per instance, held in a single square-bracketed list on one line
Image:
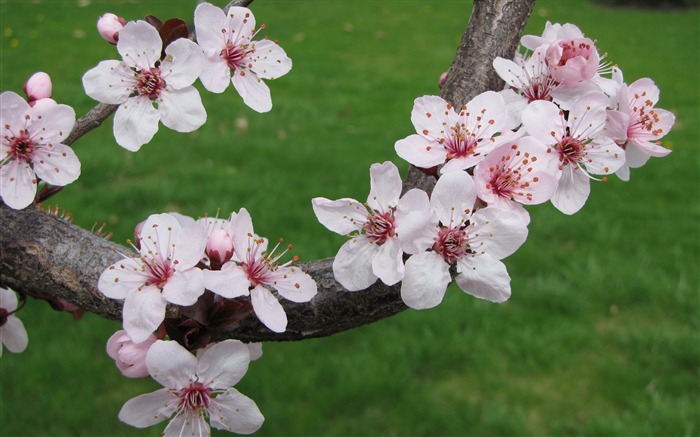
[(219, 248), (109, 26), (38, 87), (130, 357)]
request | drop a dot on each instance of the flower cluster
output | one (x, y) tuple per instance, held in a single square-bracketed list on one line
[(219, 271), (154, 80), (558, 125)]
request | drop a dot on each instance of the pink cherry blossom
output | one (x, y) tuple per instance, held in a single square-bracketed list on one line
[(38, 87), (516, 173), (129, 356), (457, 139), (253, 268), (164, 272), (143, 80), (109, 26), (636, 124), (12, 333), (195, 388), (231, 55), (374, 249), (472, 241), (31, 149), (580, 143), (552, 33)]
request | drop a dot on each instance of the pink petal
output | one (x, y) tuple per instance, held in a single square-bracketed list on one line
[(171, 364), (190, 242), (485, 114), (420, 151), (184, 287), (8, 299), (208, 21), (501, 233), (431, 116), (241, 231), (13, 108), (241, 22), (425, 281), (572, 193), (52, 123), (223, 364), (541, 118), (268, 309), (387, 264), (293, 284), (121, 278), (187, 424), (235, 412), (216, 75), (17, 184)]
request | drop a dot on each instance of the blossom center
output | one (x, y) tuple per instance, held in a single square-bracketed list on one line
[(21, 148), (149, 83), (379, 227), (574, 48), (195, 397), (538, 90), (460, 145), (451, 243), (4, 315), (233, 55), (570, 150)]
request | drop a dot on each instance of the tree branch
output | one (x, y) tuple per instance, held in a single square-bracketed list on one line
[(40, 253)]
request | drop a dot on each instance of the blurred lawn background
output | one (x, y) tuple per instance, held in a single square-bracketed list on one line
[(599, 338)]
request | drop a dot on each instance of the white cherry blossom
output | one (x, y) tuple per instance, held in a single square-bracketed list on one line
[(472, 241), (195, 388), (164, 272), (374, 249), (149, 89), (231, 55), (31, 149)]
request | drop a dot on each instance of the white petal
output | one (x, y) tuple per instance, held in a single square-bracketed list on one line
[(241, 232), (268, 60), (184, 287), (57, 165), (157, 234), (182, 110), (135, 123), (425, 281), (13, 335), (414, 200), (17, 184), (223, 364), (420, 151), (484, 277), (171, 364), (487, 114), (387, 264), (341, 216), (111, 82), (352, 266), (190, 243), (417, 231), (235, 412), (293, 284), (501, 233), (453, 198), (208, 21), (52, 123), (183, 63), (187, 424), (148, 409), (139, 44), (253, 90), (385, 186), (541, 118), (216, 75), (8, 299), (13, 108), (572, 192), (430, 115), (229, 282), (122, 277), (143, 312), (268, 309)]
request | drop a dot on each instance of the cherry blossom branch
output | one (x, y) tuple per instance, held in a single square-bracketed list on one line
[(40, 253)]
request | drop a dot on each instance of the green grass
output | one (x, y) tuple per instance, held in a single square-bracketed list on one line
[(599, 338)]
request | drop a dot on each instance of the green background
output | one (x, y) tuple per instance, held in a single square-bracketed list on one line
[(599, 338)]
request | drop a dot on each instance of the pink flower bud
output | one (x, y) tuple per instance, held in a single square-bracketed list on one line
[(42, 103), (38, 87), (109, 26), (443, 78), (219, 247), (129, 356), (137, 234)]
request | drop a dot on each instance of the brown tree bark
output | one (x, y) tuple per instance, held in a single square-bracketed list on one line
[(40, 253)]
